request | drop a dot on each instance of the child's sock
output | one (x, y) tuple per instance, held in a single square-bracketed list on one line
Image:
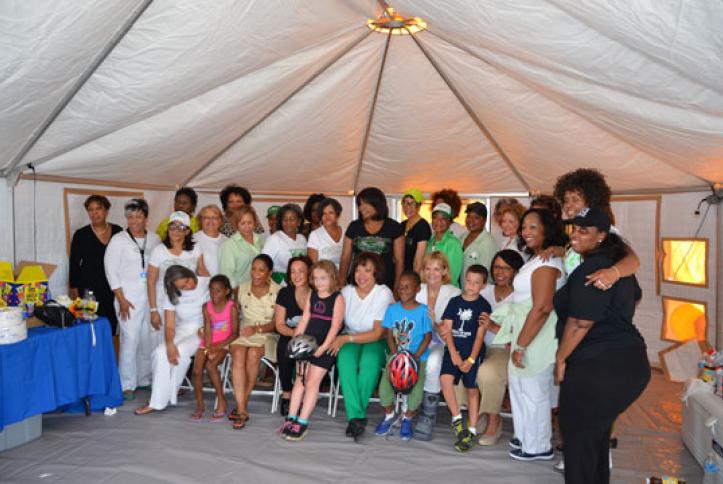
[(456, 417), (472, 429), (293, 418), (302, 421), (389, 416)]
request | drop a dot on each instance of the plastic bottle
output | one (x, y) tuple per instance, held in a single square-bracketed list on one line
[(710, 469)]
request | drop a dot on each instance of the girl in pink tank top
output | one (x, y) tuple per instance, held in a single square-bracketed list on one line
[(220, 327)]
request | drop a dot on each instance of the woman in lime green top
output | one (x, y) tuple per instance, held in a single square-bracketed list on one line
[(443, 240), (238, 252)]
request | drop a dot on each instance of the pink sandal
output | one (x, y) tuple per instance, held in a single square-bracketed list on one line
[(197, 415), (218, 417)]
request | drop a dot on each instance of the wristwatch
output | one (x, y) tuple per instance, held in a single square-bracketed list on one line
[(520, 349)]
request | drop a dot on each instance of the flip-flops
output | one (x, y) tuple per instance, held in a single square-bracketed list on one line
[(197, 415), (218, 417)]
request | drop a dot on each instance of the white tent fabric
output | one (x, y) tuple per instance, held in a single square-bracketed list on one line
[(291, 96)]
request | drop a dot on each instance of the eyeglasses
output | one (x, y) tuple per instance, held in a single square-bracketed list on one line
[(409, 203), (177, 228), (502, 268)]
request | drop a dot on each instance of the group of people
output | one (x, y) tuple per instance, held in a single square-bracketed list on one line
[(549, 303)]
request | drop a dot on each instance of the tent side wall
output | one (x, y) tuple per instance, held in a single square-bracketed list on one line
[(6, 220), (53, 221), (636, 220)]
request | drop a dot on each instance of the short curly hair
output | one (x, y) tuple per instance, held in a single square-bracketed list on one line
[(505, 205), (450, 197), (589, 182)]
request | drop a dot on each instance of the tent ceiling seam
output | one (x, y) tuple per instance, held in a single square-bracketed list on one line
[(319, 72), (85, 76), (532, 87), (651, 57), (473, 115), (370, 119), (156, 112)]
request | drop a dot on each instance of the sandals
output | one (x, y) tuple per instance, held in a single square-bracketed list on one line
[(197, 415), (218, 417), (239, 419), (236, 415), (144, 410)]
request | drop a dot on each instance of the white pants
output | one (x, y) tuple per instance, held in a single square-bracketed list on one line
[(134, 361), (167, 378), (531, 410), (434, 367)]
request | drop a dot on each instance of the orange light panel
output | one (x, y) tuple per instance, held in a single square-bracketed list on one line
[(684, 261)]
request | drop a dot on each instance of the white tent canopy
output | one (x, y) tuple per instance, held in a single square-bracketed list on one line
[(296, 96)]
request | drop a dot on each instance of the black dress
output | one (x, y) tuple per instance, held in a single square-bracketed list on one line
[(87, 271), (322, 313)]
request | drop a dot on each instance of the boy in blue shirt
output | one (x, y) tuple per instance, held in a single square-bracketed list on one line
[(464, 352), (407, 326)]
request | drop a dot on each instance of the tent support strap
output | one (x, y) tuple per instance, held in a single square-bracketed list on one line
[(368, 129), (472, 114), (89, 71), (316, 74)]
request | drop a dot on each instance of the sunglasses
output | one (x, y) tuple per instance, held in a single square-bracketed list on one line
[(177, 228)]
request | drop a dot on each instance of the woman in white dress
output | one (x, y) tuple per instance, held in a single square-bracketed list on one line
[(210, 238), (183, 315), (126, 265), (327, 241)]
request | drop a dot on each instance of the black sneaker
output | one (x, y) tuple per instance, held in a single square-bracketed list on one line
[(515, 443), (296, 431), (517, 454), (350, 427)]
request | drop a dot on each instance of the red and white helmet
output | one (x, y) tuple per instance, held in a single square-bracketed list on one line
[(403, 371)]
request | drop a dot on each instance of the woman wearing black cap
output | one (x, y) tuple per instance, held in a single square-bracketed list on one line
[(598, 344), (478, 245)]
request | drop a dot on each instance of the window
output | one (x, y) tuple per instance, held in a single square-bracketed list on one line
[(685, 261), (684, 320)]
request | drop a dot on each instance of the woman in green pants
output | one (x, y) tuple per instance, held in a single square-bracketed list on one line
[(361, 348)]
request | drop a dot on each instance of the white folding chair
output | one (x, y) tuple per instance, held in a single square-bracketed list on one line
[(275, 393)]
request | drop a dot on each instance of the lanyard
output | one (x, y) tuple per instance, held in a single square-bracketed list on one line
[(142, 250)]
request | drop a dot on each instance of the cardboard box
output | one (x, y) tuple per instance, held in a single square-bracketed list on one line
[(27, 284)]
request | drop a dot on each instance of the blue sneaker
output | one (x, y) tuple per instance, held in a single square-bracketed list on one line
[(384, 426), (406, 432)]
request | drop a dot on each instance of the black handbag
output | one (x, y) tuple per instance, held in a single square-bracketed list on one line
[(55, 314)]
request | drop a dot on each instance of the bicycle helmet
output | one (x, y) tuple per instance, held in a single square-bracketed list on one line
[(301, 347), (403, 372)]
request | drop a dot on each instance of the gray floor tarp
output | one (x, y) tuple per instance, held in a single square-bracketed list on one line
[(169, 447)]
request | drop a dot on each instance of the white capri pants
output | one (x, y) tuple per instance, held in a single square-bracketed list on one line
[(167, 378), (434, 367), (531, 399), (134, 359)]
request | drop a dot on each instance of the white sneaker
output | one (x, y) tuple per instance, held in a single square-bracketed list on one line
[(560, 466)]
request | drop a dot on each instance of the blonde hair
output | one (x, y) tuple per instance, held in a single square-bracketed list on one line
[(436, 256), (244, 210), (211, 208), (330, 268)]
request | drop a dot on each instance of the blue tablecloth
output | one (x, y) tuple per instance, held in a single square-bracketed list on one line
[(54, 368)]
